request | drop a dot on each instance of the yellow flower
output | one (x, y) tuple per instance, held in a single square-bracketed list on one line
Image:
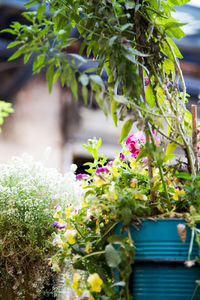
[(75, 284), (56, 215), (133, 164), (115, 197), (68, 211), (140, 196), (98, 181), (115, 172), (95, 282), (178, 193), (70, 234)]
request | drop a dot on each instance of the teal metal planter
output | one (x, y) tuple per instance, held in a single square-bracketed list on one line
[(159, 271)]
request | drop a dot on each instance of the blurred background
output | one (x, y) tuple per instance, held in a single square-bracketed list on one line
[(55, 121)]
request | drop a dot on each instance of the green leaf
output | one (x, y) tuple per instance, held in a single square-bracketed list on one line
[(56, 75), (125, 26), (17, 53), (84, 79), (97, 79), (38, 62), (49, 77), (26, 57), (78, 57), (141, 154), (73, 84), (170, 148), (175, 32), (85, 94), (112, 40), (13, 44), (183, 175), (149, 95), (112, 256), (121, 99), (126, 214), (126, 129), (177, 2), (169, 67), (8, 30)]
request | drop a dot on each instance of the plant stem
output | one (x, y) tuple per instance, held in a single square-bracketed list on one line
[(194, 135), (161, 173)]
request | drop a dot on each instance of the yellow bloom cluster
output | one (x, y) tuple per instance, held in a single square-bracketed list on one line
[(96, 282), (76, 284)]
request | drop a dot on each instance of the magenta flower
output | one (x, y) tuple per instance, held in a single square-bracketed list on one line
[(122, 156), (58, 225), (102, 170), (81, 176), (135, 142)]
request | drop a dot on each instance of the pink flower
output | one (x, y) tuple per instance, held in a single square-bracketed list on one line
[(135, 142), (157, 140)]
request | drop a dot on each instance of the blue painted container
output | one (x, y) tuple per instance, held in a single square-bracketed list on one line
[(159, 271)]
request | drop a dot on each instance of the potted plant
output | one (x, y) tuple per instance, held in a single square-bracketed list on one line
[(133, 41), (29, 192)]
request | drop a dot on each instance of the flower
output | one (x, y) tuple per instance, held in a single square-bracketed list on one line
[(102, 170), (81, 176), (135, 142), (99, 181), (57, 208), (59, 225), (96, 282), (69, 235), (178, 192), (122, 156), (75, 284)]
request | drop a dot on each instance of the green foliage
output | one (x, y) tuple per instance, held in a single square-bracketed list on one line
[(28, 194), (5, 110), (130, 40)]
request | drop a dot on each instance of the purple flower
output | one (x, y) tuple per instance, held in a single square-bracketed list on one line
[(122, 156), (58, 225), (57, 207), (178, 187), (102, 170), (81, 176), (109, 163)]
